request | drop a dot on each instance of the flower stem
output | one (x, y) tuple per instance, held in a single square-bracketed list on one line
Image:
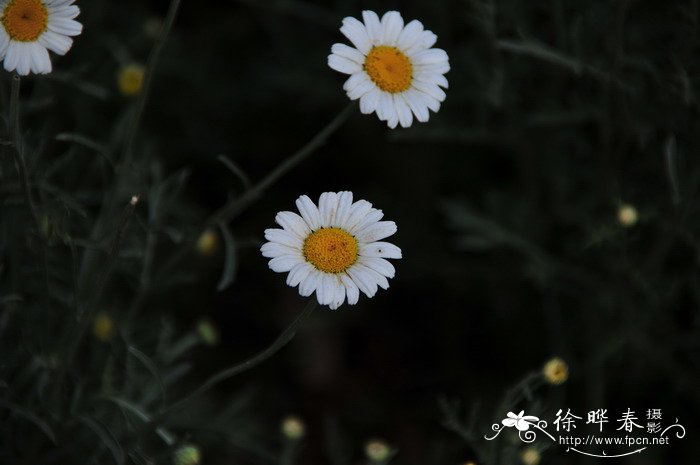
[(236, 206), (18, 153), (153, 59), (283, 339)]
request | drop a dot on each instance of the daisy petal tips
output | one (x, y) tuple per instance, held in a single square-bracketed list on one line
[(334, 249), (30, 28), (393, 70)]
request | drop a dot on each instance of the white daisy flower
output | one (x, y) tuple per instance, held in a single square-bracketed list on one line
[(393, 69), (29, 27), (333, 249)]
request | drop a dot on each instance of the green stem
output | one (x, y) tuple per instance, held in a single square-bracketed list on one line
[(85, 317), (153, 60), (236, 206), (18, 152), (283, 339)]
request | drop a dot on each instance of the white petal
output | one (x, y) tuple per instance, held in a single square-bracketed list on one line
[(376, 231), (380, 249), (4, 42), (374, 27), (325, 292), (426, 39), (57, 43), (299, 273), (344, 206), (380, 280), (365, 87), (293, 223), (431, 78), (12, 56), (309, 285), (283, 237), (284, 263), (392, 25), (356, 33), (385, 108), (358, 212), (363, 280), (416, 104), (431, 90), (309, 212), (429, 57), (351, 289), (273, 249), (348, 52), (343, 65), (66, 27), (327, 205), (371, 217), (339, 294), (370, 101), (409, 35), (403, 110), (381, 266)]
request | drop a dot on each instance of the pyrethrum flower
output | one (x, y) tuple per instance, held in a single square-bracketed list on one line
[(333, 249), (555, 371), (393, 69), (130, 79), (29, 28)]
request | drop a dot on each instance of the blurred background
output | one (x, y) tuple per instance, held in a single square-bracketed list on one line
[(548, 210)]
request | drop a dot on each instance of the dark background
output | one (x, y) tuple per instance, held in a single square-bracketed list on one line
[(506, 203)]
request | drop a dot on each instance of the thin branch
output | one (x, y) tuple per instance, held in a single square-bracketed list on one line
[(283, 339)]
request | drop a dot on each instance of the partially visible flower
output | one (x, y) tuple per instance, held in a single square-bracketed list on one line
[(530, 456), (130, 79), (29, 28), (393, 69), (188, 455), (520, 421), (377, 450), (333, 249), (208, 332), (555, 371), (104, 327), (627, 215), (208, 242), (293, 428)]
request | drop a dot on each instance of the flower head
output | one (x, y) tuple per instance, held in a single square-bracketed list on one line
[(627, 215), (29, 28), (130, 79), (188, 454), (377, 451), (530, 456), (555, 371), (208, 332), (333, 249), (208, 242), (293, 428), (393, 69), (104, 327)]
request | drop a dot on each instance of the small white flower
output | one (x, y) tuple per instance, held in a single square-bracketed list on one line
[(393, 69), (333, 249), (520, 421), (29, 28)]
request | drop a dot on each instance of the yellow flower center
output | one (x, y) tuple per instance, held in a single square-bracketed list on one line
[(389, 68), (331, 250), (25, 20), (130, 79)]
